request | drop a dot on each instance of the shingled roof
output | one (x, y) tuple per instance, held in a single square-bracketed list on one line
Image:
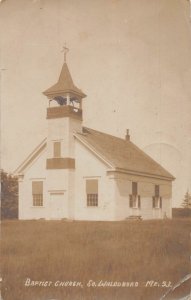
[(122, 154), (64, 85)]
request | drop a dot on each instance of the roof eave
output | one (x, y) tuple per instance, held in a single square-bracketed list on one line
[(36, 152), (54, 93), (139, 173)]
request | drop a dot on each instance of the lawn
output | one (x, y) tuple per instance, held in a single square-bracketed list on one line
[(38, 256)]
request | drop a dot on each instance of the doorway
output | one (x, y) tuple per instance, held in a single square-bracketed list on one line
[(58, 207)]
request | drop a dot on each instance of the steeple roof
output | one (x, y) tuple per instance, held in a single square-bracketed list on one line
[(64, 85)]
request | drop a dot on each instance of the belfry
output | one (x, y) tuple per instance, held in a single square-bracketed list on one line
[(64, 92)]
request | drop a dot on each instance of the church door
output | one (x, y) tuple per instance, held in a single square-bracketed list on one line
[(58, 208)]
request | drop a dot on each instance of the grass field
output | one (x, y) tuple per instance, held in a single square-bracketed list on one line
[(131, 251)]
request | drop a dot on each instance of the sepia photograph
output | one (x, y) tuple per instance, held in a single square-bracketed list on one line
[(95, 144)]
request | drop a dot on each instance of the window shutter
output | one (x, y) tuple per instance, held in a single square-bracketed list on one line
[(130, 201), (92, 186), (57, 149), (37, 187), (139, 201), (160, 202), (153, 202)]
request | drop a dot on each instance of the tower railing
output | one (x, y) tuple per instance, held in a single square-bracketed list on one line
[(64, 111)]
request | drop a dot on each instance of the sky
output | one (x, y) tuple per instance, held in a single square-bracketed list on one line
[(131, 57)]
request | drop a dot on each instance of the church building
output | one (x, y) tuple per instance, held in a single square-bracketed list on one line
[(79, 173)]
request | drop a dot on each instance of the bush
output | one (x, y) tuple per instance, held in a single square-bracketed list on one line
[(181, 213), (9, 196)]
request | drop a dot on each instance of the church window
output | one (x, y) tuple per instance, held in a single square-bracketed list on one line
[(57, 149), (92, 192), (37, 193), (134, 198), (134, 188), (157, 200), (157, 188)]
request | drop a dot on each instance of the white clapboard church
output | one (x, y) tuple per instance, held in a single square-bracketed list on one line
[(78, 173)]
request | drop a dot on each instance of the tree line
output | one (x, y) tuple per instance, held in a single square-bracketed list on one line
[(9, 196)]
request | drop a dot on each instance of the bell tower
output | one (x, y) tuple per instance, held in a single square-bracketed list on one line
[(64, 116)]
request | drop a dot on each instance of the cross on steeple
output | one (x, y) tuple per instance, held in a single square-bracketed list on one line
[(65, 50)]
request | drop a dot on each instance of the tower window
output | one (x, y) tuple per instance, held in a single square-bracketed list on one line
[(57, 149), (37, 193), (92, 192)]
